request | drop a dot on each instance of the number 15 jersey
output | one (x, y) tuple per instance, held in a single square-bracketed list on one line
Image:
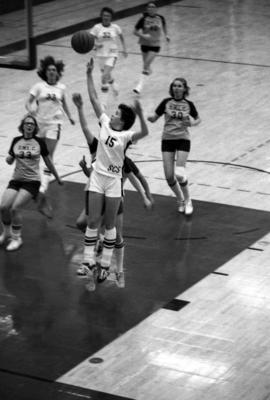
[(111, 149)]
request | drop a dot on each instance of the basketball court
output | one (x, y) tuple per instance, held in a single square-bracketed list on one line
[(192, 321)]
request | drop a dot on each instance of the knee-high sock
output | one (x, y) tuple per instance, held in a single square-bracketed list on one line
[(108, 246), (90, 240), (119, 256)]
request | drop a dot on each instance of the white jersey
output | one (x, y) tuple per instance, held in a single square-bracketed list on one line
[(49, 100), (111, 149), (106, 39)]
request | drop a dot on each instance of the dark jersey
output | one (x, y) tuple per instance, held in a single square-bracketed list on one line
[(27, 154), (153, 26), (174, 111)]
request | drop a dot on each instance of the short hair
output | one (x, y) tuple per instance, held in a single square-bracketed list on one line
[(151, 3), (108, 10), (128, 116), (186, 87), (20, 127), (44, 64)]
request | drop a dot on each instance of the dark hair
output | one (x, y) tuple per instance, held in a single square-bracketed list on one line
[(20, 127), (128, 116), (186, 87), (108, 10), (45, 62), (151, 2)]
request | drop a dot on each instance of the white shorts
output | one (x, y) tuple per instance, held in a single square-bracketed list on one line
[(107, 185), (109, 61), (49, 131)]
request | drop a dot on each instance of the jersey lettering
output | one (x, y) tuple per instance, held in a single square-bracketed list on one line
[(114, 168)]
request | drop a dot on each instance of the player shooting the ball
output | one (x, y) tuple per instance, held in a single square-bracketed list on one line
[(106, 178)]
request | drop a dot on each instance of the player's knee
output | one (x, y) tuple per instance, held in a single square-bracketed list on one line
[(171, 181), (181, 175)]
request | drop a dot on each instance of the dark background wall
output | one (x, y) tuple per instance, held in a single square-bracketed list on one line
[(8, 5)]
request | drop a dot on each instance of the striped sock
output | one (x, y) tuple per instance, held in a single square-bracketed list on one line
[(16, 231), (90, 240), (108, 246)]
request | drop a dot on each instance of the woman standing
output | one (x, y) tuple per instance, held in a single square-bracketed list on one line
[(25, 150), (179, 114), (106, 45), (47, 103), (149, 29)]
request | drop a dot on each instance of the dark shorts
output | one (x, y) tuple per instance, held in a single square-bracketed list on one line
[(175, 145), (120, 209), (145, 49), (31, 186)]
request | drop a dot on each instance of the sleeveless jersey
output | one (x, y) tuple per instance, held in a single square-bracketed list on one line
[(27, 154), (111, 149), (106, 39), (49, 101), (174, 111)]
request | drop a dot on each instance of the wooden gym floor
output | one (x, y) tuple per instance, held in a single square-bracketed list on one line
[(193, 319)]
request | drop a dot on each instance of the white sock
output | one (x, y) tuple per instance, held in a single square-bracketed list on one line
[(90, 240), (119, 256), (6, 230), (108, 246)]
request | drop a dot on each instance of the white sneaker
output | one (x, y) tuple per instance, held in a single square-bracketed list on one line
[(188, 208), (14, 244), (181, 206), (120, 279)]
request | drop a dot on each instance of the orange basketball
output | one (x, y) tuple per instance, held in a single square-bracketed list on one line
[(82, 42)]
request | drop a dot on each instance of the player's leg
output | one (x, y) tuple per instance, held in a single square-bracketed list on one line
[(22, 198), (168, 166), (111, 209), (148, 60), (51, 140), (109, 67), (7, 200), (148, 57), (181, 174), (119, 248)]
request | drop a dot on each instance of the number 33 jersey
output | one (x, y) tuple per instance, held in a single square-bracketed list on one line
[(111, 149), (27, 154), (175, 112)]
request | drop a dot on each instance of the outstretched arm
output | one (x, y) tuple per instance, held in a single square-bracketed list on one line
[(29, 104), (137, 184), (66, 109), (123, 45), (144, 128), (91, 89), (78, 101)]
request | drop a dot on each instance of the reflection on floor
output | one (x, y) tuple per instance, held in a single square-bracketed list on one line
[(49, 322)]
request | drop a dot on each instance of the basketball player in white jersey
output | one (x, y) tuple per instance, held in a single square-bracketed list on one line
[(47, 103), (105, 182), (107, 35)]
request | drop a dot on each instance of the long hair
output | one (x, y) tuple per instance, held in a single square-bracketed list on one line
[(45, 62), (20, 127), (186, 87)]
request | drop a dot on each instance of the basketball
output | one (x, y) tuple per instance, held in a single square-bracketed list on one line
[(82, 42)]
